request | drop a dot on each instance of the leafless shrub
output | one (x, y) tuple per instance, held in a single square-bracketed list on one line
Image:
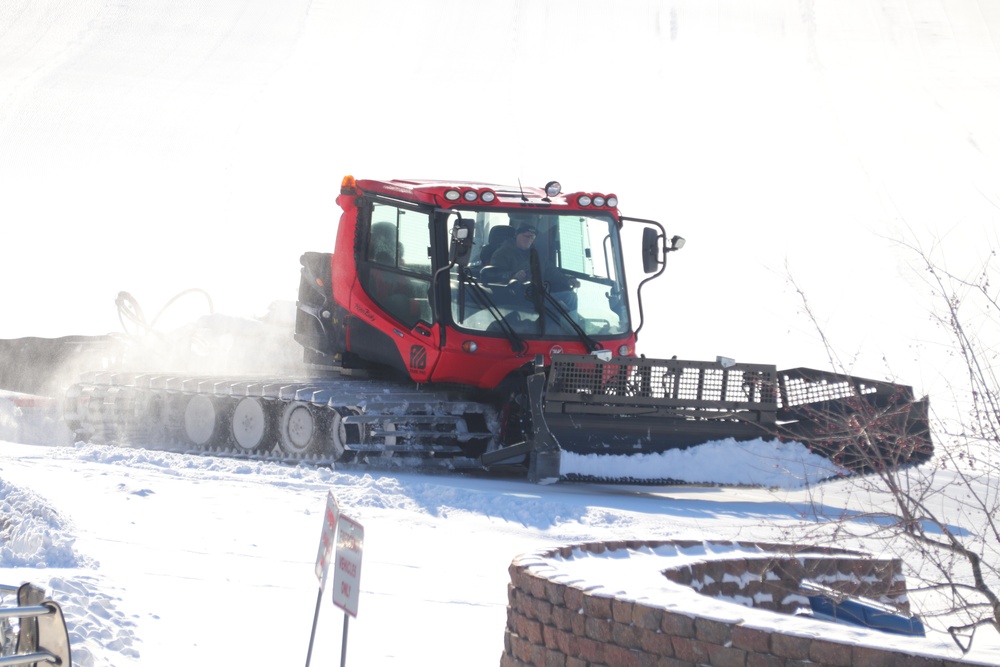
[(941, 515)]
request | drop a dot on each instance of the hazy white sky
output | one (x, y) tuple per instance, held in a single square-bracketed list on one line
[(159, 146)]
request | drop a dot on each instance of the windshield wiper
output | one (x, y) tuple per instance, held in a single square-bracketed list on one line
[(538, 293), (588, 342), (485, 301)]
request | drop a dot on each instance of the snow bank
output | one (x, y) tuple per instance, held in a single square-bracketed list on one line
[(771, 464), (32, 534)]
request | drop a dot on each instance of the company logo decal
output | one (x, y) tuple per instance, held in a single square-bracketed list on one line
[(418, 357)]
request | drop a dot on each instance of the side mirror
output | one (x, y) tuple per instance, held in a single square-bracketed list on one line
[(460, 251), (650, 250)]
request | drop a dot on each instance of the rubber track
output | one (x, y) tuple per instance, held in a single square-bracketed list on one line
[(391, 424)]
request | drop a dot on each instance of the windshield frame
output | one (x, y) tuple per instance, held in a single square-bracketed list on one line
[(584, 246)]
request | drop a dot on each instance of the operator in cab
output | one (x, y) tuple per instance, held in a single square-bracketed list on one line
[(513, 260)]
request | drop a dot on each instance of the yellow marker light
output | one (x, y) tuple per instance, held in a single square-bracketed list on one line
[(470, 346)]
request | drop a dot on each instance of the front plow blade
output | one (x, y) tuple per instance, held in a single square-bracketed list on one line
[(627, 406)]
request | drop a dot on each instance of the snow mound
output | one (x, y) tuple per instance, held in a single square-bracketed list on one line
[(32, 534)]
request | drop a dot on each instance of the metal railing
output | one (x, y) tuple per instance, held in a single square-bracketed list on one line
[(41, 635)]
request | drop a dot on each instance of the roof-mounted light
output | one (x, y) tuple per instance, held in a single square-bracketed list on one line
[(552, 189), (348, 185), (488, 196), (599, 200), (452, 195), (470, 195), (613, 201), (584, 200)]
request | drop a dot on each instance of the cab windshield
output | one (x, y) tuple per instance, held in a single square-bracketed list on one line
[(575, 258)]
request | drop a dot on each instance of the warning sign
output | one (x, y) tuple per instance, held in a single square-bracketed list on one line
[(326, 540), (347, 565)]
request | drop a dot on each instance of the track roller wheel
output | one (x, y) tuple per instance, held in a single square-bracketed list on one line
[(75, 411), (339, 435), (302, 431), (152, 423), (201, 420), (254, 428)]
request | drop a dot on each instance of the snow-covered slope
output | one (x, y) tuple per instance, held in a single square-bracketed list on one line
[(165, 559)]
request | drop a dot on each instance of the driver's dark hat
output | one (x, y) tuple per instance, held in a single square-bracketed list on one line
[(524, 228)]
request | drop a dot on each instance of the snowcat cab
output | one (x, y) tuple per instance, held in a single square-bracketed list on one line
[(414, 288)]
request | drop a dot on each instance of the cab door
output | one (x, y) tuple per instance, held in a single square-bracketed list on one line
[(394, 271)]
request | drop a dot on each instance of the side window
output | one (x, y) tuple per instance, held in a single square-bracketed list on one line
[(400, 238), (396, 273), (575, 245)]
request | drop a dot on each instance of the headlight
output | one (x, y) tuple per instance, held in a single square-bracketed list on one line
[(471, 195), (583, 200), (488, 196), (452, 195)]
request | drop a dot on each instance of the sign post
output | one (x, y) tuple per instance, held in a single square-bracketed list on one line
[(347, 575), (326, 543)]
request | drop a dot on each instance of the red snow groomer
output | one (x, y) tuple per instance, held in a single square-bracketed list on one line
[(477, 325)]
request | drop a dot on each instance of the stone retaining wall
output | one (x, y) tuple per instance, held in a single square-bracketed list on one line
[(560, 620)]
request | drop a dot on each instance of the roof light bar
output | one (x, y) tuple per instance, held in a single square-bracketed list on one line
[(452, 195)]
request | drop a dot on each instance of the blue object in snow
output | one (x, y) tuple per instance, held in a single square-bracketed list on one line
[(867, 613)]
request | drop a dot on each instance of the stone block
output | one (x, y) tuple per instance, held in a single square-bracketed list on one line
[(789, 646), (649, 618), (829, 653), (626, 635), (573, 598), (677, 625), (597, 606), (621, 610), (751, 639), (713, 632), (726, 656), (655, 642), (598, 629), (690, 650)]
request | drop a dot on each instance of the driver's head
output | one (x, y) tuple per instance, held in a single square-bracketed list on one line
[(525, 235), (524, 229)]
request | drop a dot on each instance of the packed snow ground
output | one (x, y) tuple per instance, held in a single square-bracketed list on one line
[(165, 559)]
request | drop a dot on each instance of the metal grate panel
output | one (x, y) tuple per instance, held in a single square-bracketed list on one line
[(663, 382)]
